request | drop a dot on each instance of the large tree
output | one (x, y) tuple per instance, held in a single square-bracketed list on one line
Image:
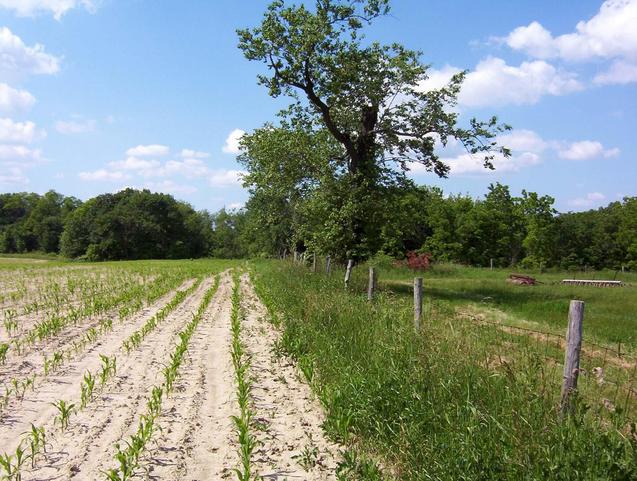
[(368, 96)]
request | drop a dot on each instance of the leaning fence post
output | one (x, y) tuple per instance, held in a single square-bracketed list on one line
[(371, 285), (572, 355), (417, 302), (314, 262), (348, 271), (328, 262)]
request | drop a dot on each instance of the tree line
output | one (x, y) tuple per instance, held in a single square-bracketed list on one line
[(524, 230), (131, 224)]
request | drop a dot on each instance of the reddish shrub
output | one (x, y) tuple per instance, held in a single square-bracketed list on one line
[(418, 262)]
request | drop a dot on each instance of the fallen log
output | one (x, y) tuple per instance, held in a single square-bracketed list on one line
[(592, 282)]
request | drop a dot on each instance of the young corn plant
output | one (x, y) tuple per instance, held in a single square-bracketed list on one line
[(128, 459), (64, 413), (12, 464), (242, 422), (37, 442)]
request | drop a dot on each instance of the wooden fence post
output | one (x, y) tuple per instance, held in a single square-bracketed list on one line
[(314, 262), (491, 263), (417, 303), (296, 257), (572, 355), (328, 265), (348, 272), (371, 285)]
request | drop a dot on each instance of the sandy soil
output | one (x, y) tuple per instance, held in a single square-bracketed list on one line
[(23, 365), (292, 443), (197, 441), (135, 374)]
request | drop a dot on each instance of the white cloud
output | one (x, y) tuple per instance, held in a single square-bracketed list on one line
[(523, 140), (13, 100), (589, 200), (221, 178), (142, 166), (19, 155), (188, 167), (12, 176), (148, 151), (69, 127), (232, 142), (103, 175), (18, 60), (494, 83), (170, 187), (236, 205), (585, 150), (610, 33), (436, 79), (193, 154), (19, 132), (474, 164), (620, 72), (29, 8)]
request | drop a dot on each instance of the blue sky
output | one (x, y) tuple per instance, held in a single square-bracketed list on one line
[(97, 95)]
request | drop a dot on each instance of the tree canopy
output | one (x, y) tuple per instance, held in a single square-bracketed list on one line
[(363, 103)]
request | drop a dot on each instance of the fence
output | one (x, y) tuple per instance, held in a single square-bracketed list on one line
[(602, 375)]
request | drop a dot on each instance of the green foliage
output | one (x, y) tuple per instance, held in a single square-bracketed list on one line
[(433, 406), (134, 224), (30, 222), (360, 100)]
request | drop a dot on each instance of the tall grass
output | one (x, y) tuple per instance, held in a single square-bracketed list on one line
[(435, 405)]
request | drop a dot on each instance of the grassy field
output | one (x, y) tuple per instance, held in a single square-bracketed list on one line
[(461, 400), (611, 313)]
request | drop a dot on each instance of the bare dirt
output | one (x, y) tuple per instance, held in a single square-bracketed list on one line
[(196, 440)]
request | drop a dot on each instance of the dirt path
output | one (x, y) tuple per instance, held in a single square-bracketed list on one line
[(87, 446), (198, 442), (292, 442)]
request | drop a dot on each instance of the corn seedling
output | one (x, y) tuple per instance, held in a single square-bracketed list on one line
[(37, 442), (64, 413)]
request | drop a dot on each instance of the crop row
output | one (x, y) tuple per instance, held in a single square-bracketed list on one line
[(127, 456)]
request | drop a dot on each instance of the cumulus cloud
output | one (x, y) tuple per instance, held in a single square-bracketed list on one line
[(193, 154), (19, 155), (170, 187), (585, 150), (610, 33), (70, 127), (222, 177), (495, 83), (103, 175), (29, 8), (135, 164), (590, 199), (14, 100), (620, 72), (527, 147), (153, 150), (18, 60), (19, 132), (232, 142), (13, 176)]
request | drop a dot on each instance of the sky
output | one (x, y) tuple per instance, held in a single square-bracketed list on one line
[(99, 95)]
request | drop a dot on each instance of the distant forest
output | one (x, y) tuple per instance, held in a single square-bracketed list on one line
[(523, 231)]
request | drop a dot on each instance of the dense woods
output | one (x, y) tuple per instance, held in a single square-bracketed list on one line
[(522, 230)]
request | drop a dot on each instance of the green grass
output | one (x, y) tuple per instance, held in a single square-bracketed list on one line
[(459, 401), (610, 312)]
